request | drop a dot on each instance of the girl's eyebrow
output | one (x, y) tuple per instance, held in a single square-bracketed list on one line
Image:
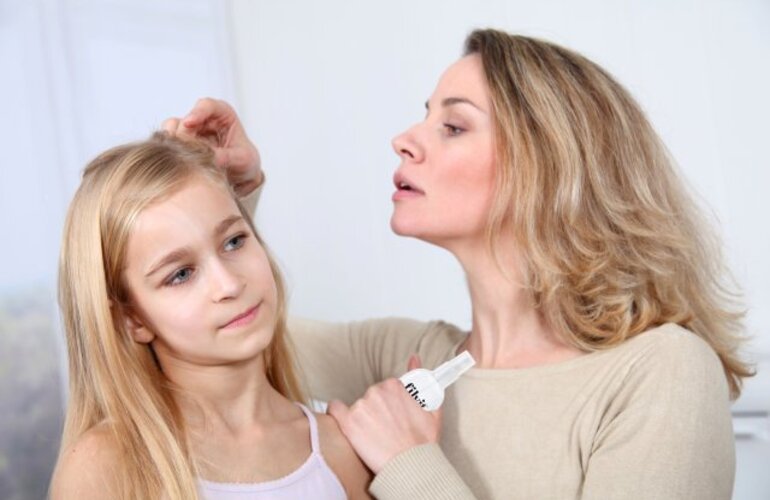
[(226, 223), (181, 253), (178, 254)]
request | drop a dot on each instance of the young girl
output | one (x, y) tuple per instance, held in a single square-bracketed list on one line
[(182, 383)]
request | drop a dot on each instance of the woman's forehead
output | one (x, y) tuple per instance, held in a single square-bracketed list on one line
[(464, 78)]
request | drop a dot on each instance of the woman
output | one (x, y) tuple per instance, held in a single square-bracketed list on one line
[(605, 341)]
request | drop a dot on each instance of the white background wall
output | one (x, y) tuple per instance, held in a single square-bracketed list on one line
[(323, 86), (77, 77)]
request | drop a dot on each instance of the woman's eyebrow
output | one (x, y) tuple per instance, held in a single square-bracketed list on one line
[(451, 101)]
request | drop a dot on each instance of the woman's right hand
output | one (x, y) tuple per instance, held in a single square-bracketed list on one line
[(216, 122), (386, 422)]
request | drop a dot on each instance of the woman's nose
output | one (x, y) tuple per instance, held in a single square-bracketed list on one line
[(407, 146)]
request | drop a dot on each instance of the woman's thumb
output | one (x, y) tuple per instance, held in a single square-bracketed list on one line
[(414, 362)]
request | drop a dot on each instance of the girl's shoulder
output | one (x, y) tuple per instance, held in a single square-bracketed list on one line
[(87, 468), (330, 436), (339, 455)]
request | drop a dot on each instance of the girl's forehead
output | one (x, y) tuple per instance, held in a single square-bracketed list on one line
[(199, 200), (190, 216)]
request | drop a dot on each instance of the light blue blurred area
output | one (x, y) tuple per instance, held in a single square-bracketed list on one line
[(78, 77), (81, 77)]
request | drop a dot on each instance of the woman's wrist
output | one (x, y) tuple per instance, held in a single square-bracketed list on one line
[(420, 472), (245, 188)]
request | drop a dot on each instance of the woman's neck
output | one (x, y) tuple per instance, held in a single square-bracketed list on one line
[(508, 331)]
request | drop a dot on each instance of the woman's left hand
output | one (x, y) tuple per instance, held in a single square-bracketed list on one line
[(215, 122), (386, 422)]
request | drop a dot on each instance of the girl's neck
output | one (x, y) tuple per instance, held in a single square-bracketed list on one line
[(228, 397), (237, 426)]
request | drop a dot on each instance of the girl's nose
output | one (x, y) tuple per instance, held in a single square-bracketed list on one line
[(225, 283)]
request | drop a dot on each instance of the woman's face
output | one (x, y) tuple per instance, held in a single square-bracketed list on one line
[(200, 283), (445, 183)]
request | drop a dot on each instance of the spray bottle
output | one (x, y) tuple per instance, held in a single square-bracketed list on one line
[(427, 387)]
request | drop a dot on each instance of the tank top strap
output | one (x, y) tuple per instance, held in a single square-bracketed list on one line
[(314, 443)]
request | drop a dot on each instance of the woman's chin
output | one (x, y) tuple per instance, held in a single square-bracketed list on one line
[(409, 229), (401, 227)]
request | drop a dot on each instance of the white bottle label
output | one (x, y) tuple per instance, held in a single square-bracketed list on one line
[(427, 386), (424, 388), (415, 393)]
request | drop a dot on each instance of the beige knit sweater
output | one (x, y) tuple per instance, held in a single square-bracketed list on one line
[(649, 419)]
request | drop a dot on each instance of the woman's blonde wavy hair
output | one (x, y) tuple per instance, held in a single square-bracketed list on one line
[(112, 378), (612, 243)]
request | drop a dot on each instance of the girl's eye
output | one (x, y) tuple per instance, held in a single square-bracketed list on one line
[(180, 276), (452, 130), (235, 242)]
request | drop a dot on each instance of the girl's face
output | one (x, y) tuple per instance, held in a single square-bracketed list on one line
[(201, 287), (444, 185)]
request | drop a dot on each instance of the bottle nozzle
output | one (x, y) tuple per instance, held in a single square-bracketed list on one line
[(448, 372)]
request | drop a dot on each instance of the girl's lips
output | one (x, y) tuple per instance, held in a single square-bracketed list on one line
[(243, 319)]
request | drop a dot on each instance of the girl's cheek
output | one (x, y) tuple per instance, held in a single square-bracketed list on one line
[(186, 313)]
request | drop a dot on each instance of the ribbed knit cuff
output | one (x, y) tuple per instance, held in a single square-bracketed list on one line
[(420, 473), (250, 201)]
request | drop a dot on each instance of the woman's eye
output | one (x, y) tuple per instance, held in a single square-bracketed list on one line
[(452, 130), (180, 276), (235, 242)]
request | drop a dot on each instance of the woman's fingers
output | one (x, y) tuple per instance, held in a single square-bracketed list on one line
[(339, 411), (215, 122), (208, 109), (414, 362), (385, 422), (170, 125)]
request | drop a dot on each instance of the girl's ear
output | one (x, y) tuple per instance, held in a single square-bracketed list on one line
[(138, 331), (134, 325)]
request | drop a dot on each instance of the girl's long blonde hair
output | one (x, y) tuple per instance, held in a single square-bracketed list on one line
[(113, 379), (612, 243)]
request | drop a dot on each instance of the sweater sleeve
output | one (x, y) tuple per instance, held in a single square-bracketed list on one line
[(341, 360), (251, 200), (668, 433), (420, 473)]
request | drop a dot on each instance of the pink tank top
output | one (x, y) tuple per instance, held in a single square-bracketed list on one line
[(314, 479)]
